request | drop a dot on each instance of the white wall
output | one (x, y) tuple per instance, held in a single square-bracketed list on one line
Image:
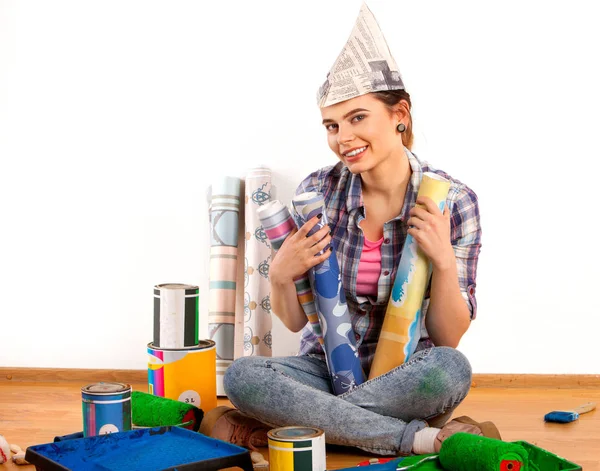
[(115, 116)]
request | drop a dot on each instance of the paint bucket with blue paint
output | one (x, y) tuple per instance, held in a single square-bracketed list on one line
[(106, 408)]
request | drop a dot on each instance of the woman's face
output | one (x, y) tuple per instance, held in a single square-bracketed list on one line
[(362, 132)]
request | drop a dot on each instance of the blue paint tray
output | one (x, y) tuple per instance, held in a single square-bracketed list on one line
[(150, 449)]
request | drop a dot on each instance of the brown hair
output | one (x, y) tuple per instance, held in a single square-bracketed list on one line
[(391, 99)]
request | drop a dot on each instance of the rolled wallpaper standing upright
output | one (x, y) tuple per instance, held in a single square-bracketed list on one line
[(257, 293), (338, 334), (224, 215), (278, 224), (401, 328), (176, 315)]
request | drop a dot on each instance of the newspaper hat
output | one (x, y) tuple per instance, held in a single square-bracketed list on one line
[(365, 64)]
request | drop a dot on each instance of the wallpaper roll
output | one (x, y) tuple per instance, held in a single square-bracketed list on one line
[(175, 315), (224, 215), (257, 294), (278, 224), (338, 334), (401, 328)]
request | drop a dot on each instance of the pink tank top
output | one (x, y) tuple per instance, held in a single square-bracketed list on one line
[(369, 268)]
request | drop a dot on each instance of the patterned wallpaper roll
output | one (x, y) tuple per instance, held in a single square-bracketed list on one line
[(401, 328), (340, 343), (224, 214), (257, 294), (176, 315), (278, 224)]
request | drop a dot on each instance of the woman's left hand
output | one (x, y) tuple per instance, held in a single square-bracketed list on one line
[(431, 229)]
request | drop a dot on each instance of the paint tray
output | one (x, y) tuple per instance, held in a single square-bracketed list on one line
[(543, 459), (150, 449), (547, 461)]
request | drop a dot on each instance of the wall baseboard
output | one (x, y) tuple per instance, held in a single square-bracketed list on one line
[(88, 376), (71, 375), (536, 381)]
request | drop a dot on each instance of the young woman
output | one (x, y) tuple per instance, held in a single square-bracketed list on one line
[(370, 197), (371, 205)]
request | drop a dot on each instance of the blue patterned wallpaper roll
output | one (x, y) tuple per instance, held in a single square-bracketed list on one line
[(338, 334)]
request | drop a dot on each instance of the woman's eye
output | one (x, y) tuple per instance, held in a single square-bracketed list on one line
[(331, 127), (358, 117)]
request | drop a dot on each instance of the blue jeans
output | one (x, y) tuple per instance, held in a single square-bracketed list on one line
[(380, 416)]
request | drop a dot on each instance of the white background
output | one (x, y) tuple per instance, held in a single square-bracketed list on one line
[(115, 117)]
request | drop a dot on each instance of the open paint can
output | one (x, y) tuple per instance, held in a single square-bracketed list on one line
[(296, 449), (185, 374), (176, 315), (106, 408)]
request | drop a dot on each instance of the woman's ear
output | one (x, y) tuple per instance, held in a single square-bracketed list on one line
[(402, 110)]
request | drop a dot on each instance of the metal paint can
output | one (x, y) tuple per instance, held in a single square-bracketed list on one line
[(106, 408), (185, 374), (176, 315), (296, 449)]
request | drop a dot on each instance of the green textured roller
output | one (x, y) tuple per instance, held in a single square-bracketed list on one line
[(153, 411), (467, 452)]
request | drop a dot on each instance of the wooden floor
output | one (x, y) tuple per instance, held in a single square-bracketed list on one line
[(33, 413)]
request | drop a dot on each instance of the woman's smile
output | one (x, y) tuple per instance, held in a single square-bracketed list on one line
[(354, 154)]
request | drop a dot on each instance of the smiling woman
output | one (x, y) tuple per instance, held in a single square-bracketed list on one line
[(374, 209)]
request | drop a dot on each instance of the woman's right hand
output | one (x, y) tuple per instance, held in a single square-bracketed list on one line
[(298, 253)]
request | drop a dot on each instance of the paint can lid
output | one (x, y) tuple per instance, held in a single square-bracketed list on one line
[(294, 433), (202, 345), (106, 388), (176, 286)]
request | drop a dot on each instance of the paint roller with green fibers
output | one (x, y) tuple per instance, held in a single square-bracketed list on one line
[(154, 411), (467, 452)]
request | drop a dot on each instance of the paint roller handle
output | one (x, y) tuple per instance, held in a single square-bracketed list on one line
[(418, 464)]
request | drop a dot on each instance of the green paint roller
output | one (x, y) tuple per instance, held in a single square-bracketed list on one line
[(153, 411), (467, 452)]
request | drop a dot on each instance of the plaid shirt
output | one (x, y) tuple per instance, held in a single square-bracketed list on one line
[(345, 210)]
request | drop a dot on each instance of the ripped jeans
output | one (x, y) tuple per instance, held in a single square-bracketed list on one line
[(380, 416)]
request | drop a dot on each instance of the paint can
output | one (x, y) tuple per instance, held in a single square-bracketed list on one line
[(296, 449), (176, 315), (184, 374), (106, 408)]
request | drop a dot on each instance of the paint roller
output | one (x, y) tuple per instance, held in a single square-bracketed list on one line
[(468, 452), (148, 410)]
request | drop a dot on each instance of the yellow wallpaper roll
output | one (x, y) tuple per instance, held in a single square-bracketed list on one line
[(401, 328)]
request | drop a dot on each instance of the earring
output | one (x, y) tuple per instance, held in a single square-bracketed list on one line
[(401, 127)]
